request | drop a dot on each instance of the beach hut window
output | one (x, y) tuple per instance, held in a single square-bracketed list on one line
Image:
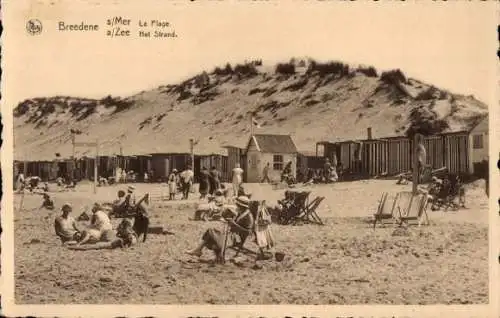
[(477, 141), (278, 162)]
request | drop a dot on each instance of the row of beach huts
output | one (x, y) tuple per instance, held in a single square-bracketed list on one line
[(464, 152)]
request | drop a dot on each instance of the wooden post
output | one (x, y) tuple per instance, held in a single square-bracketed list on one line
[(251, 125), (95, 165), (191, 151), (191, 146), (415, 178)]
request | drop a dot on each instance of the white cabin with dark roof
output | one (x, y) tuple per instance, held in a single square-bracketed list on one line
[(277, 150)]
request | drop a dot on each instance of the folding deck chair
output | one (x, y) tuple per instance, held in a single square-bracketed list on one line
[(385, 210), (310, 213), (412, 208), (294, 206)]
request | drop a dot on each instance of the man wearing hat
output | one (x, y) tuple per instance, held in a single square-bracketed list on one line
[(214, 239), (131, 194), (65, 225)]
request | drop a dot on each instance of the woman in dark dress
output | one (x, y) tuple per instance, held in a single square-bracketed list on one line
[(214, 180), (204, 182)]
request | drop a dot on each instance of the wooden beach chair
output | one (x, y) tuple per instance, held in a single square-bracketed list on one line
[(412, 208), (310, 214), (254, 207), (297, 210), (385, 210)]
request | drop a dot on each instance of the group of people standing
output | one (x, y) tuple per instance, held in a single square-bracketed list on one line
[(210, 181)]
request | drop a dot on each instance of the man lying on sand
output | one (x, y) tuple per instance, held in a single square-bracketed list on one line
[(65, 225)]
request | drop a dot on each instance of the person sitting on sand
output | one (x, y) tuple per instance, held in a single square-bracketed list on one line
[(120, 204), (214, 239), (126, 233), (65, 225), (100, 227), (99, 235), (47, 202), (213, 208)]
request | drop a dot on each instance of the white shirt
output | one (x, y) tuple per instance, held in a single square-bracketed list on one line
[(187, 176), (237, 172), (102, 221)]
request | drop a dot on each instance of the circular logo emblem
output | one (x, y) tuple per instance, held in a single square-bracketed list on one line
[(34, 26)]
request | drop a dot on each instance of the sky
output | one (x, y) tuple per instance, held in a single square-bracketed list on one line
[(449, 45)]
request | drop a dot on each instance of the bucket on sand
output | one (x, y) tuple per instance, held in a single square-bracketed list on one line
[(279, 256)]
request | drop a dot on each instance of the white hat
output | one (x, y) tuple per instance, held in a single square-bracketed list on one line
[(131, 189), (242, 201)]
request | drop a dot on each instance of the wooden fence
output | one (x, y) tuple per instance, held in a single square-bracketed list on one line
[(392, 156)]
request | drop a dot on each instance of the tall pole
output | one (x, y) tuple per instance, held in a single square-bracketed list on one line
[(191, 147), (73, 159), (95, 165), (416, 140), (251, 125)]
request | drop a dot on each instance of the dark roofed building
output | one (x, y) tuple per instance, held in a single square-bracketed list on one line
[(277, 150)]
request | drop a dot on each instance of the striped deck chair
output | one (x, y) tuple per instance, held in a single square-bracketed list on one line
[(412, 208), (385, 209)]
